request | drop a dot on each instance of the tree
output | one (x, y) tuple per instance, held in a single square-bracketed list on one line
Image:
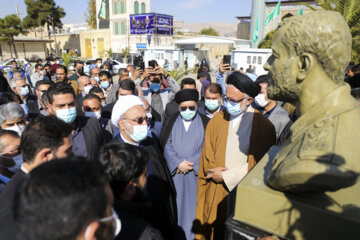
[(125, 52), (91, 14), (109, 53), (10, 27), (66, 57), (44, 12), (209, 31)]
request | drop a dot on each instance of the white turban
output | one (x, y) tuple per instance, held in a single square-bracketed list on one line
[(123, 104)]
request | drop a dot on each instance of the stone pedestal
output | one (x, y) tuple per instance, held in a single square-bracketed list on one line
[(261, 210)]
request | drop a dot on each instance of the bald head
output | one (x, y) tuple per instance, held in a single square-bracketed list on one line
[(83, 81)]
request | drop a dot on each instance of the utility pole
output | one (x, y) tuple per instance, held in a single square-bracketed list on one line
[(17, 10)]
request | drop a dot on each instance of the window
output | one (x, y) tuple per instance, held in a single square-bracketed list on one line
[(122, 7), (123, 28), (143, 8), (116, 29), (116, 8), (248, 60), (254, 60), (259, 60), (136, 7)]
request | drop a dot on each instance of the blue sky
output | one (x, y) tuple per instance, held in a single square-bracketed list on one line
[(191, 11)]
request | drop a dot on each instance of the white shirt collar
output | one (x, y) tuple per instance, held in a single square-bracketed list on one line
[(187, 124), (126, 141), (24, 169)]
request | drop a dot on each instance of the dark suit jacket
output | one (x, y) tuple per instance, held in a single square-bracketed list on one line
[(79, 103), (202, 110), (107, 110), (7, 222), (93, 135)]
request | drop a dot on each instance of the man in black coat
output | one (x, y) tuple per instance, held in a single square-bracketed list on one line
[(34, 103), (130, 116), (126, 167), (44, 139), (87, 136)]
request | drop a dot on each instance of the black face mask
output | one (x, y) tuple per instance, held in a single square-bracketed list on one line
[(81, 71)]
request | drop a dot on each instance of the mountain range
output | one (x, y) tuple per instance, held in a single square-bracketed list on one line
[(225, 29)]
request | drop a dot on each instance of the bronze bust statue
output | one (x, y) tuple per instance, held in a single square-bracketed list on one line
[(307, 68)]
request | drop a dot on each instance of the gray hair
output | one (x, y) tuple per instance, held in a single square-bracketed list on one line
[(13, 81), (11, 111)]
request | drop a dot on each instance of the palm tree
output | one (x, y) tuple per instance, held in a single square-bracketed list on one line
[(125, 52), (350, 10)]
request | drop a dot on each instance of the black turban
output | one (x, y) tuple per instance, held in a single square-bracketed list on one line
[(187, 95), (244, 84)]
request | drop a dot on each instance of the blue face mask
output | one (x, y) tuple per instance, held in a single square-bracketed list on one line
[(155, 87), (212, 104), (234, 109), (68, 115), (188, 114), (97, 79), (140, 132), (18, 161), (24, 91), (105, 84)]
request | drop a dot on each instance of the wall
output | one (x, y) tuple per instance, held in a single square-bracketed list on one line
[(67, 42), (95, 43), (32, 50)]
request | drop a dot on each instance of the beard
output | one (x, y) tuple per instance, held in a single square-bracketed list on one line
[(282, 88), (141, 195)]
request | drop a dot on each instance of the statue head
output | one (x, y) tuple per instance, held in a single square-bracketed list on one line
[(303, 47)]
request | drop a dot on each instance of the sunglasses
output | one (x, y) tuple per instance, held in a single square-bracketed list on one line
[(183, 109), (138, 120)]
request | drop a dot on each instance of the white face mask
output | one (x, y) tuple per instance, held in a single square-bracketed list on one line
[(98, 65), (114, 217), (96, 115), (260, 100), (57, 62), (103, 104), (87, 89), (130, 75), (16, 128)]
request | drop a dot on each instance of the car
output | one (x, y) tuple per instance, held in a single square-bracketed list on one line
[(6, 65), (115, 68)]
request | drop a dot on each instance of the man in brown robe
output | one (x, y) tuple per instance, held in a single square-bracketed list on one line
[(235, 140)]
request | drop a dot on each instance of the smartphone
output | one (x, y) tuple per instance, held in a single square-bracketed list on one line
[(227, 59), (141, 65), (152, 64)]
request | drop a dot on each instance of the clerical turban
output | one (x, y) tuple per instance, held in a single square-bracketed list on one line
[(123, 104), (187, 95), (244, 84)]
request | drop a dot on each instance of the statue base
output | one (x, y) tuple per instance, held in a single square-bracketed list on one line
[(261, 211)]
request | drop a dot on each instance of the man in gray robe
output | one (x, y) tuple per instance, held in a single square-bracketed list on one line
[(182, 139)]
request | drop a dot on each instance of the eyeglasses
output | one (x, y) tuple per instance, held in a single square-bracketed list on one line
[(138, 120), (183, 109), (233, 100)]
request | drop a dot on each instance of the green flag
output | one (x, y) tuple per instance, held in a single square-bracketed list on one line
[(256, 31), (274, 13), (300, 12)]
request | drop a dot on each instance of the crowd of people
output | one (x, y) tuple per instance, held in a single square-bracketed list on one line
[(131, 155)]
